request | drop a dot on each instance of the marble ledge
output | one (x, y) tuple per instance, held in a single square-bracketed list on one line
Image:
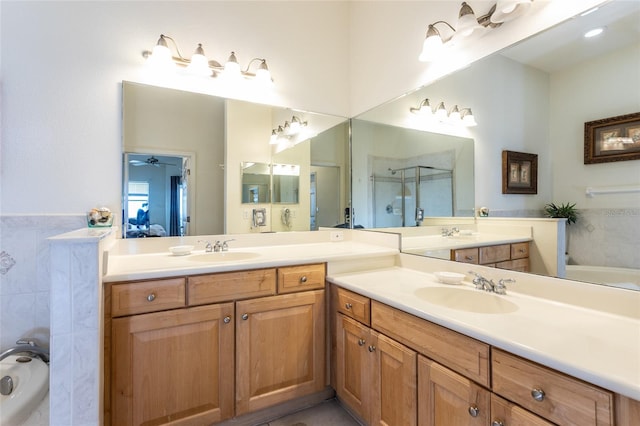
[(84, 235)]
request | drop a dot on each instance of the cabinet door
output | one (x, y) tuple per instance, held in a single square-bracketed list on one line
[(446, 398), (504, 413), (353, 365), (173, 367), (280, 349), (394, 393)]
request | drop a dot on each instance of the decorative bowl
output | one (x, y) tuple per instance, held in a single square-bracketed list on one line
[(180, 250), (449, 277)]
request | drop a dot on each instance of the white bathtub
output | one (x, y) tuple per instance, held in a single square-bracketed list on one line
[(618, 277), (30, 386)]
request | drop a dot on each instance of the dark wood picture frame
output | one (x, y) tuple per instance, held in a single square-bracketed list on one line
[(519, 173), (612, 139)]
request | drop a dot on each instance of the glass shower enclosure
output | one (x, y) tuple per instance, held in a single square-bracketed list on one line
[(405, 196)]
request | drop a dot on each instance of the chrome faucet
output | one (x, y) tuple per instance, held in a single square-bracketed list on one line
[(225, 246), (482, 283), (450, 232), (27, 346)]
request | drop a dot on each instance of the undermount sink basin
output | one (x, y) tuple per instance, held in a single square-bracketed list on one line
[(222, 256), (467, 300)]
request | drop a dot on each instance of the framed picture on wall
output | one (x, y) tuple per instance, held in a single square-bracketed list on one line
[(612, 139), (519, 173)]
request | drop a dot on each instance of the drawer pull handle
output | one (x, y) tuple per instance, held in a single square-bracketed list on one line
[(151, 297), (348, 305), (538, 394), (227, 319), (361, 342), (497, 423), (245, 316), (372, 348), (468, 257), (474, 411), (522, 251), (303, 279)]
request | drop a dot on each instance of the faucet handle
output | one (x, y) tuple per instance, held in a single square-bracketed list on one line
[(26, 341), (501, 287), (209, 247)]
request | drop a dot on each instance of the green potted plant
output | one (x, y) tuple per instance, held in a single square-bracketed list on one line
[(567, 211)]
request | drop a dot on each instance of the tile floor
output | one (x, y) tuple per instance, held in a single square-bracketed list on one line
[(327, 413)]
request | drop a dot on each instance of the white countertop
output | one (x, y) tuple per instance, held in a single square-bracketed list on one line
[(598, 347), (164, 264)]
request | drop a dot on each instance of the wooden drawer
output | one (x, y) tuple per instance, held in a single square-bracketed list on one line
[(505, 413), (520, 265), (565, 400), (494, 254), (460, 353), (147, 296), (519, 250), (214, 288), (300, 278), (469, 255), (354, 305)]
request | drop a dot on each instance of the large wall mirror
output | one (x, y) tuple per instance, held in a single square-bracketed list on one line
[(532, 97), (192, 162)]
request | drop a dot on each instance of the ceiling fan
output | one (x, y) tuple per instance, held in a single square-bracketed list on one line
[(151, 161)]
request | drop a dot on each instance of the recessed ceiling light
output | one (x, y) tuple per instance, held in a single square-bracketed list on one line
[(594, 32)]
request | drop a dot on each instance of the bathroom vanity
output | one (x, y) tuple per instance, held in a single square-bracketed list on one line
[(217, 342), (176, 346)]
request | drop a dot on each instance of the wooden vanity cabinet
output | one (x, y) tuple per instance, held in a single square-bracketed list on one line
[(173, 367), (459, 380), (280, 348), (375, 376), (447, 398), (513, 256), (550, 394), (205, 348)]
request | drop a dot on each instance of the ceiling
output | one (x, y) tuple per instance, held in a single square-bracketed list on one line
[(565, 45)]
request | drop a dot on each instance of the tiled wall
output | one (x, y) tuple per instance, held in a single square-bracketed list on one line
[(25, 274), (606, 237), (600, 237)]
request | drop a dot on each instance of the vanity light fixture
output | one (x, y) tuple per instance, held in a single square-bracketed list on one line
[(163, 60), (508, 10), (423, 109), (287, 130), (469, 26), (456, 116), (433, 42)]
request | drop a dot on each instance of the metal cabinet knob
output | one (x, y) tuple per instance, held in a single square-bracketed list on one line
[(151, 297), (372, 348), (474, 411), (303, 279), (497, 423), (361, 342), (227, 319), (245, 316), (537, 394), (348, 305)]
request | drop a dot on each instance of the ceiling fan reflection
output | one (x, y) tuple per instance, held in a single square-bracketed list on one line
[(151, 161)]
